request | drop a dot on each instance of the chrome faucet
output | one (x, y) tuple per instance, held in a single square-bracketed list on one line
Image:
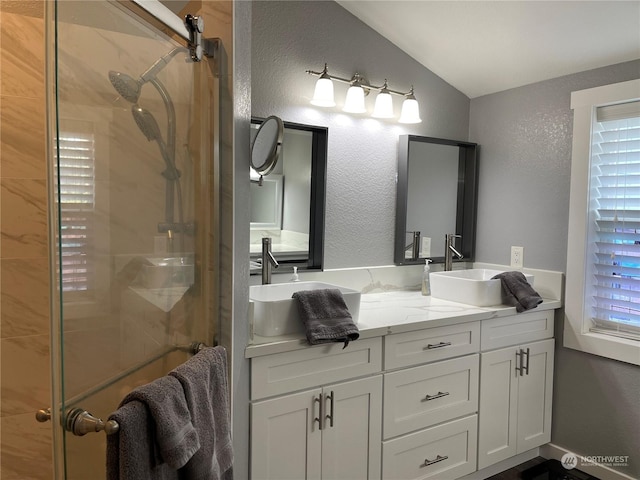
[(268, 260), (450, 250), (414, 246)]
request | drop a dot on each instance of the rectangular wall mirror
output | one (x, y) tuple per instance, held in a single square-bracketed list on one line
[(289, 205), (436, 195)]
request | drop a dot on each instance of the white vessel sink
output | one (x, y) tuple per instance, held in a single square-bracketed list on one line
[(276, 313), (473, 287)]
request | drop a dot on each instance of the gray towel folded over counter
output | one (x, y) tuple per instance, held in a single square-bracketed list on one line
[(326, 316), (518, 291)]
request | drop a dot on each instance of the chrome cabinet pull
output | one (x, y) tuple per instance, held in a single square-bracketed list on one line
[(438, 458), (519, 360), (433, 397), (320, 417), (431, 346), (330, 416), (526, 368)]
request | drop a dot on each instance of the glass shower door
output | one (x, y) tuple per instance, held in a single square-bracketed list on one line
[(131, 205)]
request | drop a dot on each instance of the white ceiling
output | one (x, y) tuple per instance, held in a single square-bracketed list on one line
[(482, 47)]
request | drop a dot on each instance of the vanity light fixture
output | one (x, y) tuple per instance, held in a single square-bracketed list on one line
[(383, 107), (410, 109), (354, 102), (323, 94), (358, 89)]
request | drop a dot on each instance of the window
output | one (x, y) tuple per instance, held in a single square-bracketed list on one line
[(603, 255), (77, 202), (615, 220)]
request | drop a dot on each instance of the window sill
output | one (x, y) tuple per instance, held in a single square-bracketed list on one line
[(615, 348)]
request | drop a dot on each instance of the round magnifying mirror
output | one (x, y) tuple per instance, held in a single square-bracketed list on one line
[(266, 147)]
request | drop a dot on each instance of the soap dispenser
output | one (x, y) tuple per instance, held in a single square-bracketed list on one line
[(294, 277), (426, 281)]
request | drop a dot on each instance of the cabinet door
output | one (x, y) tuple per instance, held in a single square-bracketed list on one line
[(534, 396), (351, 444), (285, 438), (498, 406)]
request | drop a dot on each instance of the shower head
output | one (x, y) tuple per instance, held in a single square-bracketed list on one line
[(127, 87), (146, 123)]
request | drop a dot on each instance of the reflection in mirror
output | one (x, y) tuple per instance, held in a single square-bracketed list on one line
[(436, 195), (289, 205)]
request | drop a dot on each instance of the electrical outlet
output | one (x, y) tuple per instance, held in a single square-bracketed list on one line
[(517, 254)]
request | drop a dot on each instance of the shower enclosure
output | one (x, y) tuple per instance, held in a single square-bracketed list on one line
[(133, 139)]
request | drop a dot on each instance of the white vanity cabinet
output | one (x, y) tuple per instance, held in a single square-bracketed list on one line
[(435, 403), (516, 386), (331, 431), (430, 405)]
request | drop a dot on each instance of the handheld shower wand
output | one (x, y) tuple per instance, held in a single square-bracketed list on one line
[(130, 89)]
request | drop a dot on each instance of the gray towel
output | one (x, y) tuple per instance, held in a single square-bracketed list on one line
[(204, 380), (326, 316), (518, 291), (174, 433), (129, 455)]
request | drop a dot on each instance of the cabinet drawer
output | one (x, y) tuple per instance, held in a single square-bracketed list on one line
[(422, 396), (516, 329), (414, 348), (314, 366), (447, 451)]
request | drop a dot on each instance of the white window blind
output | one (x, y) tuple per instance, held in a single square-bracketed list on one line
[(76, 176), (615, 201)]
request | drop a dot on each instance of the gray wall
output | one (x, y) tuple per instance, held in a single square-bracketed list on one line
[(525, 136), (291, 37)]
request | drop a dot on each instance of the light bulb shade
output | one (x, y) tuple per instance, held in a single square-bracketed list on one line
[(384, 106), (323, 94), (355, 100), (410, 111)]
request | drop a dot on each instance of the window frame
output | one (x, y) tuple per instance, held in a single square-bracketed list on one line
[(576, 323)]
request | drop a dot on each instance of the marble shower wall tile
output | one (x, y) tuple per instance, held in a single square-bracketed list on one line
[(24, 297), (25, 375), (22, 144), (26, 449), (23, 206), (22, 55)]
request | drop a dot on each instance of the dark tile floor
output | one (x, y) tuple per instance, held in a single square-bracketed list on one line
[(551, 471), (515, 472)]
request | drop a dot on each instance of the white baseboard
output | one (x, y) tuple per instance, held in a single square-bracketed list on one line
[(551, 451), (496, 468)]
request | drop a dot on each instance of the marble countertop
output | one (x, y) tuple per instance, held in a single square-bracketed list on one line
[(396, 312)]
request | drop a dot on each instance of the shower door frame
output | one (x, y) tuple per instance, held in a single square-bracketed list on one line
[(164, 20)]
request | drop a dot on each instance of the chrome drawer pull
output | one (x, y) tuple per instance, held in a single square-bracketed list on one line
[(428, 462), (431, 346), (433, 397)]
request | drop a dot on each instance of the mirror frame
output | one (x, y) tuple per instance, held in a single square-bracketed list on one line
[(318, 185), (467, 198)]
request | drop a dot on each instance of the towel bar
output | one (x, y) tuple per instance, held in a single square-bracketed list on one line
[(80, 422)]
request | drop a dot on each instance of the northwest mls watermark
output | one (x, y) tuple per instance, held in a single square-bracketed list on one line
[(571, 460)]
